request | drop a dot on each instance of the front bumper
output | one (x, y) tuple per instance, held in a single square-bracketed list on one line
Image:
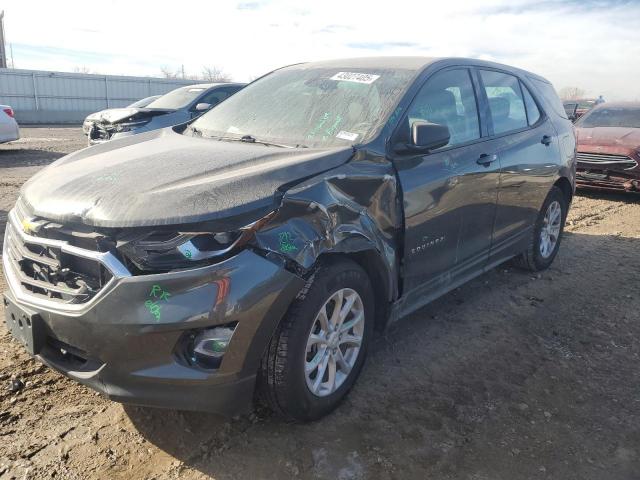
[(123, 351), (99, 133), (608, 181)]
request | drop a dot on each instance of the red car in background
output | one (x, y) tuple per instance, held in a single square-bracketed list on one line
[(609, 147)]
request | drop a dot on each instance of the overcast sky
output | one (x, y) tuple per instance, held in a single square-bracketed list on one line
[(591, 44)]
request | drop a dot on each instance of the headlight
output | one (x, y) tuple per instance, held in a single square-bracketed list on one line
[(128, 126), (169, 250)]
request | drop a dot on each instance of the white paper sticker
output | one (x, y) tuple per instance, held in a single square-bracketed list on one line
[(355, 77), (344, 135)]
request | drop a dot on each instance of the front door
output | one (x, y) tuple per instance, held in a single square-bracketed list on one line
[(450, 193)]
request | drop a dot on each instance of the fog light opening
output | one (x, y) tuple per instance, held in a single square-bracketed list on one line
[(207, 346)]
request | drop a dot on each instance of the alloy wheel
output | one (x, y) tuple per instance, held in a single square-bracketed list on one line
[(550, 231), (334, 342)]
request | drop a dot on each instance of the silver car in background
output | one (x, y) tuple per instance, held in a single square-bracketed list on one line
[(94, 117), (178, 106), (9, 130)]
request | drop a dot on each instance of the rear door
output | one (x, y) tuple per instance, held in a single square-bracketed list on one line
[(526, 142), (449, 194)]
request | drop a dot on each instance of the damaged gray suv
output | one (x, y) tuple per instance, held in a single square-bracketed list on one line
[(253, 252)]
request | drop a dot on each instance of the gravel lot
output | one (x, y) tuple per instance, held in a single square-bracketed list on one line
[(513, 376)]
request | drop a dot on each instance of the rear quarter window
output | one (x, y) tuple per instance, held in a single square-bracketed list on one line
[(547, 91)]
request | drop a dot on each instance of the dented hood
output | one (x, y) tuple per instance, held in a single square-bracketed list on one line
[(115, 115), (165, 178)]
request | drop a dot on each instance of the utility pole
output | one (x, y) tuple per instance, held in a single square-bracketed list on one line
[(3, 52), (183, 70)]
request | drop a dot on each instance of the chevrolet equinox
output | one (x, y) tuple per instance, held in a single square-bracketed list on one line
[(256, 249)]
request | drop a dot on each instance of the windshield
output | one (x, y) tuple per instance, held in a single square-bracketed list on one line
[(611, 117), (309, 106), (178, 98), (144, 102)]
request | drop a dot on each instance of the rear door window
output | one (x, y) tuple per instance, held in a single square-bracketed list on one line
[(506, 104)]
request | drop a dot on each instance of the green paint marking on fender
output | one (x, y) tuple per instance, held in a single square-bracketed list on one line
[(286, 242)]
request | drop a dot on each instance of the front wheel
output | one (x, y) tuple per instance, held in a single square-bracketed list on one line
[(319, 348), (547, 233)]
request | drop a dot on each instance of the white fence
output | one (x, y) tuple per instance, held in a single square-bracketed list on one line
[(41, 97)]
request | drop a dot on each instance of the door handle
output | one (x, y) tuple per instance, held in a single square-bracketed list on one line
[(486, 159), (546, 140)]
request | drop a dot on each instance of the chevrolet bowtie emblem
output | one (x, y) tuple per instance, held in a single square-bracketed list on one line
[(28, 226)]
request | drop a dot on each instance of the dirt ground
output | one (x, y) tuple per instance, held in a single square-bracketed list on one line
[(513, 376)]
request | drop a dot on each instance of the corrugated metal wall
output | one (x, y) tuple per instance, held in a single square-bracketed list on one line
[(39, 96)]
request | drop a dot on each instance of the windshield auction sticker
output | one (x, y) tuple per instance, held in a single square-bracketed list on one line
[(344, 135), (355, 77)]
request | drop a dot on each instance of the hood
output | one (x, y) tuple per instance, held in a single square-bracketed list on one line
[(609, 137), (165, 178), (115, 115)]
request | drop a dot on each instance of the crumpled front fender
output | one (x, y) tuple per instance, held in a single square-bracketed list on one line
[(352, 208)]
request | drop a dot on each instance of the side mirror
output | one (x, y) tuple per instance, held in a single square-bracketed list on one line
[(427, 136), (201, 107)]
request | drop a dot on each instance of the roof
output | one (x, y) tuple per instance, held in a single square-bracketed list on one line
[(413, 63), (209, 85)]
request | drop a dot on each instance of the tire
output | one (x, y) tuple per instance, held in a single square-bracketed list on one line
[(536, 258), (284, 384)]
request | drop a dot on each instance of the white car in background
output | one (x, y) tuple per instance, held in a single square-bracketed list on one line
[(9, 130)]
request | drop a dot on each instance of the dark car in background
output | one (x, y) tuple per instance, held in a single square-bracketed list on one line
[(576, 108), (178, 106), (609, 147), (256, 249)]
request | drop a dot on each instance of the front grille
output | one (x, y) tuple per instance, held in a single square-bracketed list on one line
[(46, 271), (602, 160), (54, 271), (101, 132)]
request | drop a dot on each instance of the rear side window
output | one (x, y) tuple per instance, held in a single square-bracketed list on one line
[(448, 99), (505, 101), (549, 93), (533, 113)]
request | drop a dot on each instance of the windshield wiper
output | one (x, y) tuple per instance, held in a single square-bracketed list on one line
[(252, 139)]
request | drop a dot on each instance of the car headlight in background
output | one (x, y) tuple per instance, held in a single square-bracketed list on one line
[(168, 250), (128, 126)]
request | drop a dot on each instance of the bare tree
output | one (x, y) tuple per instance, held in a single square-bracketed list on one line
[(168, 72), (82, 69), (214, 74), (571, 93)]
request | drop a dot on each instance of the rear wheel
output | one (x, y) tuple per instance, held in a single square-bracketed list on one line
[(319, 348), (547, 233)]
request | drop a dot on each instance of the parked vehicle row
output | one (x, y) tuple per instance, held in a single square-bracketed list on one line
[(256, 248)]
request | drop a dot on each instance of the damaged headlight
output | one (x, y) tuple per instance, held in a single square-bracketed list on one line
[(169, 250), (128, 126)]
